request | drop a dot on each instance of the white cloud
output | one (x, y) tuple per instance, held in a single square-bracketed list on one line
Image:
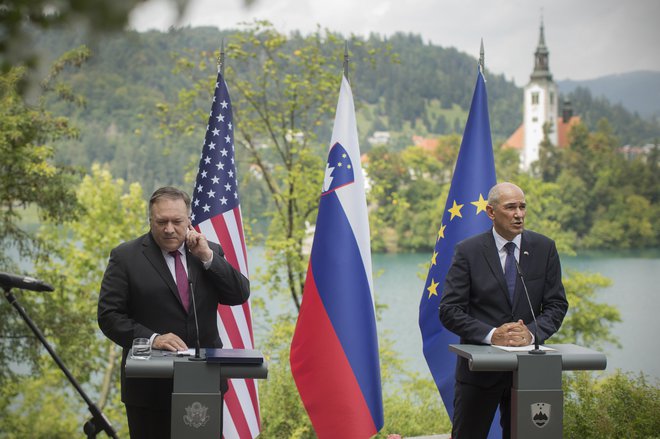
[(586, 38)]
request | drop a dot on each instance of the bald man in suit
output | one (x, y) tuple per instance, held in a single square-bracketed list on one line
[(479, 306), (140, 298)]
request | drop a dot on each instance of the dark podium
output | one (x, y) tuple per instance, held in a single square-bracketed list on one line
[(196, 398), (537, 400)]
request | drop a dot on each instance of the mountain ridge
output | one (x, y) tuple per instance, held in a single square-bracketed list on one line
[(637, 91)]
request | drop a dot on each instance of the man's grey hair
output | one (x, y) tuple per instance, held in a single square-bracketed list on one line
[(171, 193), (495, 192)]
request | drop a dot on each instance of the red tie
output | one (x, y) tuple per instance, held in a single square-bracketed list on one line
[(181, 279)]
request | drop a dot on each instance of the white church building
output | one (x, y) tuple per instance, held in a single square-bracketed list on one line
[(541, 106)]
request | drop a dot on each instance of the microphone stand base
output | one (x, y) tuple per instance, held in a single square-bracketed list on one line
[(537, 351), (197, 357)]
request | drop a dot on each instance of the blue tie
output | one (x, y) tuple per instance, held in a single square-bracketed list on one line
[(510, 268)]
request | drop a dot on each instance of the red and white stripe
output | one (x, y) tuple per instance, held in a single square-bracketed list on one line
[(241, 409)]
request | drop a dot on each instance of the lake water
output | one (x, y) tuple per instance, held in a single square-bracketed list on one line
[(635, 291), (399, 280)]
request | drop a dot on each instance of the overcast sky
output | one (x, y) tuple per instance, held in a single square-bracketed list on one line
[(586, 38)]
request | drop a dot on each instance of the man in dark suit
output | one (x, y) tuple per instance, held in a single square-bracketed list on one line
[(145, 293), (482, 308)]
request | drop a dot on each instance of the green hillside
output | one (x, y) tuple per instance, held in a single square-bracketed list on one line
[(421, 89)]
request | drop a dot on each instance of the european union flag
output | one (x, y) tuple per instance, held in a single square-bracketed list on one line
[(464, 216)]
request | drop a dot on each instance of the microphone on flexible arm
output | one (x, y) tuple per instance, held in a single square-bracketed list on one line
[(198, 348), (8, 281), (536, 350)]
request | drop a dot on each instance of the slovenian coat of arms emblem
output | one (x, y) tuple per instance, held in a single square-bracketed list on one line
[(540, 414)]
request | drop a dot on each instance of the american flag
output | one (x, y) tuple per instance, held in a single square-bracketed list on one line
[(216, 213)]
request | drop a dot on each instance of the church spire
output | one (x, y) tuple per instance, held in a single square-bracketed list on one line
[(541, 64)]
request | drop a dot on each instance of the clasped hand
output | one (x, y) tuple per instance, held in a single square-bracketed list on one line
[(512, 334)]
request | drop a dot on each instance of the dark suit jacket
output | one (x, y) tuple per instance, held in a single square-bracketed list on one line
[(139, 297), (475, 298)]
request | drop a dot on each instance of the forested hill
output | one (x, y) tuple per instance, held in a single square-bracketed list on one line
[(426, 92), (637, 91)]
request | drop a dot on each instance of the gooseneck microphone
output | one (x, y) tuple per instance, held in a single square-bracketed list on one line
[(8, 281), (198, 348), (536, 350)]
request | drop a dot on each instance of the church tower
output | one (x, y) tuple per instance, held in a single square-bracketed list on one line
[(540, 105)]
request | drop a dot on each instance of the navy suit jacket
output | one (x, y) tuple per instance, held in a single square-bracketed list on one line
[(139, 297), (476, 299)]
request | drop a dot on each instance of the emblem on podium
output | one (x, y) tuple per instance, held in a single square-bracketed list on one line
[(196, 415), (540, 414)]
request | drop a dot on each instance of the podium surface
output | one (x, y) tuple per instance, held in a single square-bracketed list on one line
[(483, 358), (536, 394), (161, 365), (196, 396)]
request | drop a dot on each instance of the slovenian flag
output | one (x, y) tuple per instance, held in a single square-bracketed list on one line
[(334, 351)]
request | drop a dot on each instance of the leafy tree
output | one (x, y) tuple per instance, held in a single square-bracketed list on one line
[(40, 407), (282, 411), (588, 322), (628, 222), (283, 91), (386, 173), (548, 165), (591, 173), (507, 162), (627, 125), (20, 18), (545, 209), (288, 92), (73, 261), (620, 405), (29, 179), (411, 404), (28, 174), (406, 191)]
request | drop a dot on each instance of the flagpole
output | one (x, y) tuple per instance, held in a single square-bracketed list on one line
[(346, 60), (482, 58), (221, 58)]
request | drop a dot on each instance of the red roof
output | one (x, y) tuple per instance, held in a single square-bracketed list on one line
[(425, 143), (563, 128), (517, 139)]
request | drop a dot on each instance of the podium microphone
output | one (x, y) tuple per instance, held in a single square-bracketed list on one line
[(198, 348), (536, 350), (8, 281)]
